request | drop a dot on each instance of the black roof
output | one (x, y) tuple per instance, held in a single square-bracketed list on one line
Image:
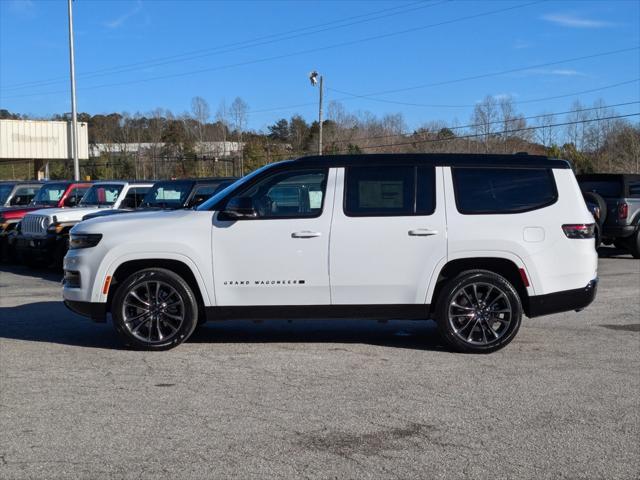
[(199, 180), (609, 176), (437, 159)]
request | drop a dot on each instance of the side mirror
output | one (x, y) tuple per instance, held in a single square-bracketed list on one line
[(240, 208)]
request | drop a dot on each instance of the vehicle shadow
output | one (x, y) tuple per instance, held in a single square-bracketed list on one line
[(35, 272), (51, 322)]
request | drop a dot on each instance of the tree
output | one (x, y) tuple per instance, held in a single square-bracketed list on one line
[(239, 112), (484, 119), (279, 130)]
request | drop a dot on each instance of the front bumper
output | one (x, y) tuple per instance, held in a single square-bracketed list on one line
[(563, 301), (95, 311), (39, 248)]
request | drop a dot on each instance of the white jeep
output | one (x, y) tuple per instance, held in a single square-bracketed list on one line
[(43, 234), (471, 241)]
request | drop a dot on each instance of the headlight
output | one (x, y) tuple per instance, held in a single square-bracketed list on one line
[(55, 228), (84, 240)]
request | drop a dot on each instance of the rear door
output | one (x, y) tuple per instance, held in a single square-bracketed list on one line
[(388, 234)]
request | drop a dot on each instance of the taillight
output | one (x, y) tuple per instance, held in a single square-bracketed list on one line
[(579, 230), (623, 210)]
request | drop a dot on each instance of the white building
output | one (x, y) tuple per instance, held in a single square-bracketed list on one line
[(40, 141), (209, 149)]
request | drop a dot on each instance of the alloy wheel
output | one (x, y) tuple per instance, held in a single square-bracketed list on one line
[(480, 313), (153, 311)]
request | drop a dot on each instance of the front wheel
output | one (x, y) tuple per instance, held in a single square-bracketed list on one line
[(478, 312), (154, 309)]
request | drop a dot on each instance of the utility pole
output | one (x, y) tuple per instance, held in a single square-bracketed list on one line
[(313, 76), (74, 113)]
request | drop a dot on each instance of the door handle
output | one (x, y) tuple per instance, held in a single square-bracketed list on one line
[(305, 234), (422, 232)]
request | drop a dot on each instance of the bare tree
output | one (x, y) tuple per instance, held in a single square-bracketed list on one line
[(239, 113), (546, 133), (484, 119), (201, 113)]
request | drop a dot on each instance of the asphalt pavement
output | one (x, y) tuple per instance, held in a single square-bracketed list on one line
[(319, 398)]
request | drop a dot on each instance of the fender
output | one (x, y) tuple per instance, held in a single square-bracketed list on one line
[(105, 270), (480, 254)]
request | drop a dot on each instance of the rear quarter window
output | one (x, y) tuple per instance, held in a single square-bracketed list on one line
[(502, 191)]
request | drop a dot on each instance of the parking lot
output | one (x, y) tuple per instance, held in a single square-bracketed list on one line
[(327, 399)]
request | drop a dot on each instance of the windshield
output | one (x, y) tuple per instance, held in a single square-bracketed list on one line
[(167, 195), (101, 195), (5, 190), (606, 188), (208, 205), (49, 194)]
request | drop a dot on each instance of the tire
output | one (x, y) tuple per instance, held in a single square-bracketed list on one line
[(602, 205), (472, 305), (154, 309), (634, 244)]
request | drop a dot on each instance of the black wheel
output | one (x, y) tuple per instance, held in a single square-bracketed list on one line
[(154, 309), (602, 205), (634, 244), (478, 312)]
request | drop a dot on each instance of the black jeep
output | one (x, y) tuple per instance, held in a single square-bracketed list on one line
[(618, 200)]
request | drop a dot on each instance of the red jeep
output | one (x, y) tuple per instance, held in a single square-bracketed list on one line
[(50, 195)]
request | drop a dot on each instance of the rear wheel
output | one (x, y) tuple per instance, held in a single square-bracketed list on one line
[(479, 312), (634, 244), (154, 309)]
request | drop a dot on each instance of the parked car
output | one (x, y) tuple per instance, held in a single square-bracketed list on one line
[(618, 199), (473, 241), (43, 235), (14, 193), (173, 195), (54, 194)]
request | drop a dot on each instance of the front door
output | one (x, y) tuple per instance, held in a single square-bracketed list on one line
[(280, 257), (388, 234)]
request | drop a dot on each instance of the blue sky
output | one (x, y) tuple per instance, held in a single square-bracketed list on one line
[(377, 56)]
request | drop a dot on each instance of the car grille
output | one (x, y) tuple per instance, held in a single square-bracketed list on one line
[(35, 225)]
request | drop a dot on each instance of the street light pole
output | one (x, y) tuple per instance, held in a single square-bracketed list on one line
[(313, 76), (320, 119), (74, 113)]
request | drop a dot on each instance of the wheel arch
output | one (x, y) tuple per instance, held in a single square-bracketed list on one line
[(126, 268), (502, 266)]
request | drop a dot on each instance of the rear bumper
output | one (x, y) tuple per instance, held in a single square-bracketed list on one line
[(95, 311), (563, 301), (619, 231)]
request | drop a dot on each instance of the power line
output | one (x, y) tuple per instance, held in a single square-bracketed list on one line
[(533, 100), (503, 132), (227, 48), (515, 119), (514, 101), (487, 75), (298, 53)]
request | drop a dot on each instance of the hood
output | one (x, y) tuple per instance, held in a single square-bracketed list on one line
[(11, 213), (66, 214), (141, 221)]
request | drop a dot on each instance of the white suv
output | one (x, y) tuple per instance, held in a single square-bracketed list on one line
[(472, 241)]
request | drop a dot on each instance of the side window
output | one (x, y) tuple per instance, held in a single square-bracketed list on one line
[(493, 190), (389, 191), (289, 194), (75, 196), (134, 197), (202, 194), (24, 195), (634, 189)]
